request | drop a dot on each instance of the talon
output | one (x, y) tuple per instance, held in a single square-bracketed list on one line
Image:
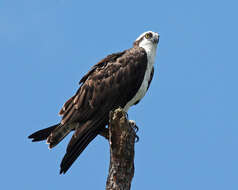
[(134, 126)]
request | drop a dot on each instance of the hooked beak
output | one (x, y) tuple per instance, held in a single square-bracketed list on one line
[(156, 39)]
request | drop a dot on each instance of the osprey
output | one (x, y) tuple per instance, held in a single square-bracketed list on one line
[(119, 80)]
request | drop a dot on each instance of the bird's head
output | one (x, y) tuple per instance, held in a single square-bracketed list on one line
[(147, 40)]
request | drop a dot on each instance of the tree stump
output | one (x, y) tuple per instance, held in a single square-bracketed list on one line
[(121, 140)]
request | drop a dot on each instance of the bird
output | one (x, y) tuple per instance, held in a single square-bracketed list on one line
[(118, 80)]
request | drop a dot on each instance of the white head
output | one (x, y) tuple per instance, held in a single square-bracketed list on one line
[(149, 41)]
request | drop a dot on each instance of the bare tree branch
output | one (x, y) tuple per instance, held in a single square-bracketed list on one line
[(121, 140)]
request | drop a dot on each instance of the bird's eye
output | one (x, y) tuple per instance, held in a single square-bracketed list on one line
[(148, 35)]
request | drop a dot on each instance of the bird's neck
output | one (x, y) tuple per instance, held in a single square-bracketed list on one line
[(150, 51)]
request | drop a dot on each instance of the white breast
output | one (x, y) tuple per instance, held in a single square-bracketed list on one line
[(151, 51)]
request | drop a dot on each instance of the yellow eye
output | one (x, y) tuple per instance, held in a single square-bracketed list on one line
[(148, 35)]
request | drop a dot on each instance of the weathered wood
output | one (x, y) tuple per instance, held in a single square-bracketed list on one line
[(121, 140)]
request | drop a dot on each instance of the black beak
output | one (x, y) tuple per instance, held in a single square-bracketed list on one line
[(156, 40)]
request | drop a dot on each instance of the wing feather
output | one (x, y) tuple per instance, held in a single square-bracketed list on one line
[(109, 84), (151, 77), (118, 78)]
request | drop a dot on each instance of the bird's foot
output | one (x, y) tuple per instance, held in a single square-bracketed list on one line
[(135, 128)]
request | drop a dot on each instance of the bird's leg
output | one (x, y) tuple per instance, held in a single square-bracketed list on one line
[(135, 128), (104, 132)]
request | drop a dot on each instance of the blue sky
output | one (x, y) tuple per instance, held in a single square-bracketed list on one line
[(188, 120)]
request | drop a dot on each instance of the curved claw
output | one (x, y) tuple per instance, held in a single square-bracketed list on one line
[(133, 125), (135, 128), (137, 138)]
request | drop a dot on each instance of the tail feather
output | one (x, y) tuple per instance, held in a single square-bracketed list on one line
[(80, 140), (53, 135), (59, 133), (76, 150), (42, 134)]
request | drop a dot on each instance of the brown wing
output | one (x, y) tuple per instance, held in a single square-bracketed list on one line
[(110, 58), (151, 77), (102, 64), (109, 84)]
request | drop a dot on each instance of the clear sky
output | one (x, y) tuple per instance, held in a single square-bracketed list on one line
[(188, 120)]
